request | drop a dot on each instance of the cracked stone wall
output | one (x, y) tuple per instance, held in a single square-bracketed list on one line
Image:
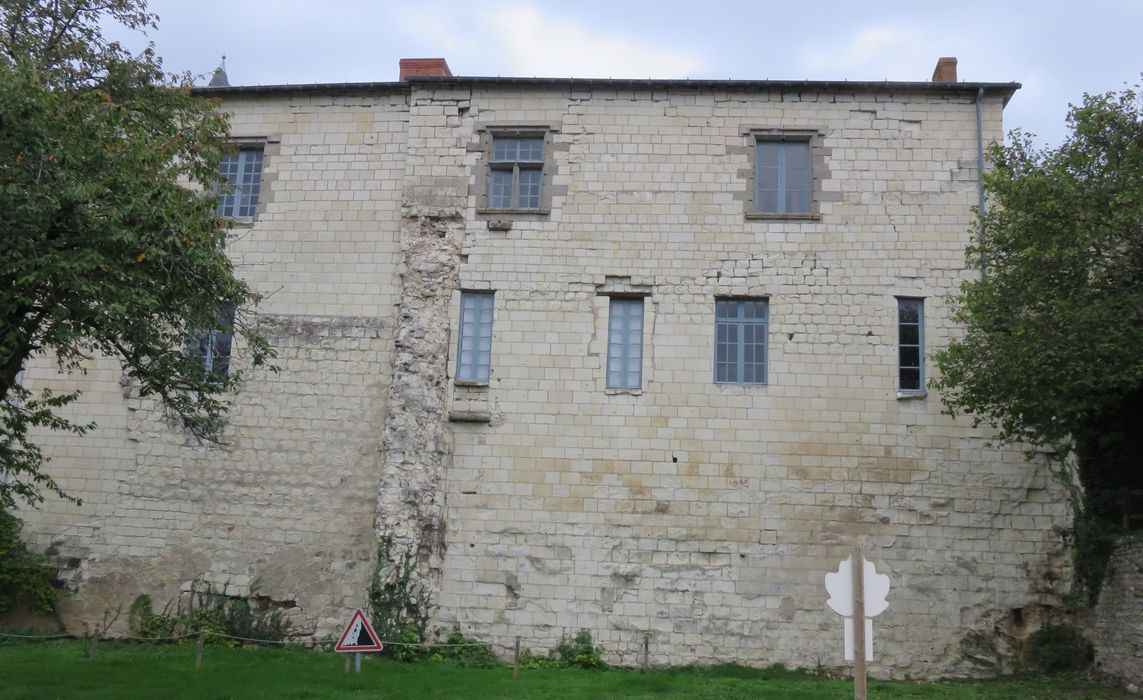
[(416, 446), (707, 515), (702, 515)]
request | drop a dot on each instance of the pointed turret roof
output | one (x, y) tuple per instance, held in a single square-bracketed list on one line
[(219, 78)]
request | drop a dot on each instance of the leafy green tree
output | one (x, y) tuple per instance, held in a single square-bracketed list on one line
[(24, 578), (1053, 353), (109, 241)]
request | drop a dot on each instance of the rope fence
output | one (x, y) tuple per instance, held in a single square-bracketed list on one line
[(201, 635)]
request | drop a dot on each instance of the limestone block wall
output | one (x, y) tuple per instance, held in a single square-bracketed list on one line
[(290, 501), (706, 515), (1116, 631)]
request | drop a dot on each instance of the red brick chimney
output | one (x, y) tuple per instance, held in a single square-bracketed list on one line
[(419, 67), (945, 72)]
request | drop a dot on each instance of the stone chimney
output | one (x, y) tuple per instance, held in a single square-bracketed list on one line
[(420, 67), (945, 72)]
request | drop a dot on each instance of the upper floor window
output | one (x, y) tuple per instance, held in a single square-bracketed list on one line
[(782, 176), (516, 172), (474, 347), (740, 341), (240, 182), (625, 343), (212, 345), (911, 344)]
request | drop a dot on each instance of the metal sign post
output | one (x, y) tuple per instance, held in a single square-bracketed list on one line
[(357, 638)]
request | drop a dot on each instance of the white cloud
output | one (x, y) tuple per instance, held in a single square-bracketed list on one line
[(518, 39), (885, 52)]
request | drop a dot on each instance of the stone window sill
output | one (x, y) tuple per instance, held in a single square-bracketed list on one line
[(911, 395), (470, 383), (762, 216), (513, 212), (612, 391)]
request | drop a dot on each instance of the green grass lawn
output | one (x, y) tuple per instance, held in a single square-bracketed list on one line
[(62, 670)]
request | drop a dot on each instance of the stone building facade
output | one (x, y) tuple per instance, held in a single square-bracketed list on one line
[(688, 378)]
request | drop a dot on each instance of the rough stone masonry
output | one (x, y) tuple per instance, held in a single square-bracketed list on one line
[(549, 497)]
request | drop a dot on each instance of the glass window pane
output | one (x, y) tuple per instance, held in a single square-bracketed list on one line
[(625, 343), (532, 150), (740, 341), (530, 180), (474, 350), (910, 353), (797, 154), (910, 379), (500, 189), (908, 311)]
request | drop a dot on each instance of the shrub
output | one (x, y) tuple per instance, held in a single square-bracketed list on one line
[(578, 652), (144, 622), (23, 575), (1055, 648)]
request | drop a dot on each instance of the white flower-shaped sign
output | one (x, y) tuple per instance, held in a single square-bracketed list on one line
[(839, 585)]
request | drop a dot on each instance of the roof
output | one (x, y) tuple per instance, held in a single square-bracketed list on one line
[(1006, 90)]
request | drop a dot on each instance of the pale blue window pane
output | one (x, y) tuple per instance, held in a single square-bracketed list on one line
[(782, 173), (500, 189), (212, 346), (531, 150), (910, 344), (516, 172), (240, 182), (474, 348), (530, 188), (740, 341), (625, 344)]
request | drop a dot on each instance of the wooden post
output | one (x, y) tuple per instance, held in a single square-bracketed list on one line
[(198, 649), (92, 637), (516, 660), (859, 690), (646, 650)]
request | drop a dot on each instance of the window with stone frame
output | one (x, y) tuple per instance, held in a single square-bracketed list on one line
[(212, 346), (516, 172), (783, 176), (240, 182)]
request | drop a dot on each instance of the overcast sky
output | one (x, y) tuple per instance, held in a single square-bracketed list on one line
[(1058, 50)]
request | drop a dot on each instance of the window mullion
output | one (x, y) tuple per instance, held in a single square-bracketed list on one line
[(781, 178), (515, 197)]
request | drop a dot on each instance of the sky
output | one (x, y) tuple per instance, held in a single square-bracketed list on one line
[(1057, 50)]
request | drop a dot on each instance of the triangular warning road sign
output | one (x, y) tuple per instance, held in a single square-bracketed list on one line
[(358, 635)]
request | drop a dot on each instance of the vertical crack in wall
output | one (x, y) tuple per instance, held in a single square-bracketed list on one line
[(416, 442)]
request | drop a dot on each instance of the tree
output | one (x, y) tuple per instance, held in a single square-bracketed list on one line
[(109, 239), (1052, 352)]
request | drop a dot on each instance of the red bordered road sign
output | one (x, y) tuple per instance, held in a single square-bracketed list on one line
[(358, 635)]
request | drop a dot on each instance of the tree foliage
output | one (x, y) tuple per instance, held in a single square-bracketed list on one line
[(109, 240), (1055, 326), (1051, 356)]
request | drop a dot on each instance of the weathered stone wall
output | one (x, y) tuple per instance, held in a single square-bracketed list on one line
[(702, 514), (1117, 630), (291, 501), (707, 515)]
